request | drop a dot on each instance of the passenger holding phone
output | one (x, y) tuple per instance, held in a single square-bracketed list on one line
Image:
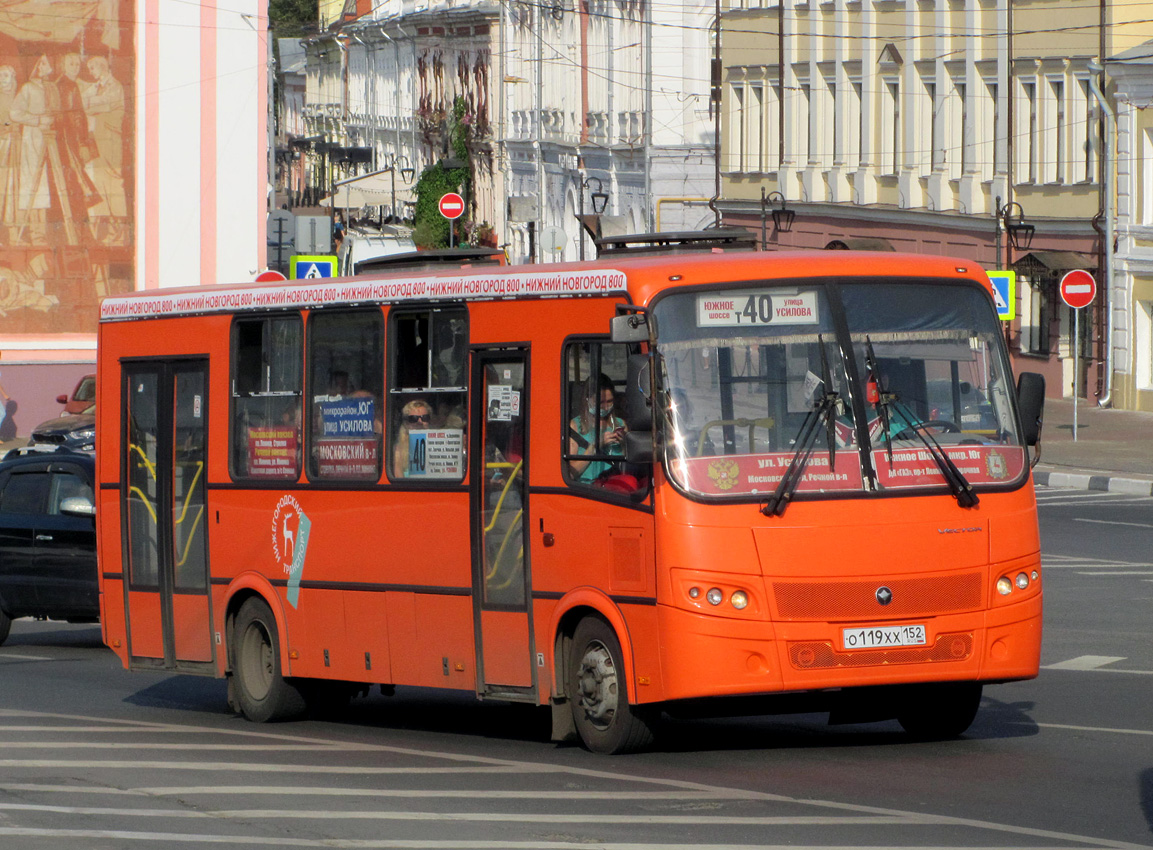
[(598, 430)]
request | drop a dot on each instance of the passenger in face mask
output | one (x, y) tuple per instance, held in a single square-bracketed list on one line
[(597, 431)]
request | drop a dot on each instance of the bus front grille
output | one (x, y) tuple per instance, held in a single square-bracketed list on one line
[(813, 655), (852, 600)]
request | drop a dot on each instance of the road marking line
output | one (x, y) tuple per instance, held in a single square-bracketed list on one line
[(12, 656), (1115, 522), (1116, 573), (1085, 662), (484, 817), (236, 767), (116, 745), (1095, 664), (418, 844), (499, 765), (405, 793), (1088, 728)]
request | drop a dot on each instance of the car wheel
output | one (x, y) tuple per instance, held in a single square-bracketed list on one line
[(597, 691), (261, 691)]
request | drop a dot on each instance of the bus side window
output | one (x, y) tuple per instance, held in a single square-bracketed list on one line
[(267, 379), (345, 386), (593, 451), (427, 394)]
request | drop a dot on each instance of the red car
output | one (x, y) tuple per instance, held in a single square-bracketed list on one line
[(84, 396)]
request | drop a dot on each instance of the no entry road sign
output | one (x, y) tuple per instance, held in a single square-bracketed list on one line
[(1078, 288), (451, 205)]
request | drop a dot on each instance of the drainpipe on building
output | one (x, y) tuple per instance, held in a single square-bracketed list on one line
[(1096, 68)]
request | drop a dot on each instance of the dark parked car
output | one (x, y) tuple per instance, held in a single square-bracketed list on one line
[(83, 396), (75, 431), (47, 538)]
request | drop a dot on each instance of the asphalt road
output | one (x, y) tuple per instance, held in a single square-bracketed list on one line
[(97, 757)]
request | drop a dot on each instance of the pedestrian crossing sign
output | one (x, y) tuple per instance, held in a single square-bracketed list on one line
[(303, 267), (1005, 294)]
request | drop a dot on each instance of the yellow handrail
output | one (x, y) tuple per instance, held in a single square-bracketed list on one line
[(503, 492)]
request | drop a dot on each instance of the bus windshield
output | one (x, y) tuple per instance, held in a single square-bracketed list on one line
[(838, 388)]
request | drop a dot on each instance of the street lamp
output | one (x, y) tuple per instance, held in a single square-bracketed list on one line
[(600, 201), (407, 172), (1020, 233), (782, 216)]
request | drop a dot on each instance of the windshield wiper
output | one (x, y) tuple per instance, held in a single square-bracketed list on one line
[(876, 396), (959, 485), (822, 410)]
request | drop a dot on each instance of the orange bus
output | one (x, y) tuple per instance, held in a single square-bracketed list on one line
[(715, 482)]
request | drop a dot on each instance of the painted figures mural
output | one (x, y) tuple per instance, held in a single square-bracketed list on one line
[(65, 168)]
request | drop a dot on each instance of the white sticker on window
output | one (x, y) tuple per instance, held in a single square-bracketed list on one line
[(747, 307)]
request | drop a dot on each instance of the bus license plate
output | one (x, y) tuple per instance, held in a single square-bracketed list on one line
[(884, 636)]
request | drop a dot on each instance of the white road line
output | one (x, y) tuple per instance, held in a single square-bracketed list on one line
[(1095, 664), (1116, 573), (1114, 522), (417, 844), (1108, 729), (481, 817), (493, 766), (12, 656), (1085, 662), (118, 745), (402, 793), (238, 767)]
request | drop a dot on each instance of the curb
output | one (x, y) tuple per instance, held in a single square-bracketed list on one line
[(1091, 481)]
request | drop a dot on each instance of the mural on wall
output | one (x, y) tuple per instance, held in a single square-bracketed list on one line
[(66, 163)]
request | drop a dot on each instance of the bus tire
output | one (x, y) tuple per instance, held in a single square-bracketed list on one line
[(939, 711), (598, 693), (5, 626), (261, 690)]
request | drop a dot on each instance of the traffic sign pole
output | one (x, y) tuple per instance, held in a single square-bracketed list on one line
[(451, 206), (1078, 289)]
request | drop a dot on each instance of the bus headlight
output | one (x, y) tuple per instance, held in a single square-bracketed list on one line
[(1022, 580), (1004, 586), (715, 596), (739, 599)]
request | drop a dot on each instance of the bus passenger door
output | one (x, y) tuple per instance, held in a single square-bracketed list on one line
[(499, 495), (164, 508)]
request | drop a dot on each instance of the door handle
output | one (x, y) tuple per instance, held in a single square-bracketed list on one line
[(43, 536)]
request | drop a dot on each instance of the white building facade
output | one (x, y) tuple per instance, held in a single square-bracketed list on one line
[(563, 101)]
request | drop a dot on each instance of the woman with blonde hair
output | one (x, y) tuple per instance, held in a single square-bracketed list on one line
[(414, 416)]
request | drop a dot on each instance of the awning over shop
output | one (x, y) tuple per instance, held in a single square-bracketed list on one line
[(1057, 261), (860, 243), (371, 190)]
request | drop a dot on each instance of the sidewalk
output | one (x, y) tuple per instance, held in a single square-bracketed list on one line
[(1113, 451)]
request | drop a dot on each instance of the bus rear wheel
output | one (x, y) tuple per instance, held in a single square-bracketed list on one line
[(597, 691), (264, 695), (939, 711)]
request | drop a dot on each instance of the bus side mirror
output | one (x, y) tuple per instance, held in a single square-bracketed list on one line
[(630, 327), (1031, 401)]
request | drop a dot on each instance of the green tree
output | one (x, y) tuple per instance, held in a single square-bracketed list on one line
[(430, 228), (293, 18)]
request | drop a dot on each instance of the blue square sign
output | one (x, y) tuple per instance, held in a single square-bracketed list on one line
[(303, 267), (1005, 293)]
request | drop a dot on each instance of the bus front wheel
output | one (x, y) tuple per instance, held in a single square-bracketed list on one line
[(598, 693), (938, 711), (261, 689)]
